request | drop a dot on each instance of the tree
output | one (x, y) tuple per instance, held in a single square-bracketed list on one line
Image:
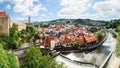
[(100, 35), (75, 44), (7, 59), (117, 29), (34, 59), (31, 30), (13, 40), (3, 41)]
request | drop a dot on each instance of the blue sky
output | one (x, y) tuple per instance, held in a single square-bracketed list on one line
[(43, 10)]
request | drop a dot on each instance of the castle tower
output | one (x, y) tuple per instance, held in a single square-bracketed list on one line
[(4, 23)]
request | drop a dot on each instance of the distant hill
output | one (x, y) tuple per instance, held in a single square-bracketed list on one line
[(59, 21), (75, 21)]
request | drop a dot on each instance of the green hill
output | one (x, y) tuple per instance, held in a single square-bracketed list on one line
[(74, 21)]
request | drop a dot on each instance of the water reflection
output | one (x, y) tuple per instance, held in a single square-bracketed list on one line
[(23, 45), (72, 65), (95, 57)]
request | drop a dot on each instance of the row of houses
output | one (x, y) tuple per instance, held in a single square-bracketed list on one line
[(66, 34)]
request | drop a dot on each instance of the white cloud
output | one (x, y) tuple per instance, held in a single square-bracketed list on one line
[(48, 0), (73, 8), (43, 15), (27, 7), (20, 20), (1, 1), (106, 9), (44, 9), (50, 13), (8, 6), (24, 19)]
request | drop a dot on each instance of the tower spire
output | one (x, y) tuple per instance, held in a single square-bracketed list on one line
[(29, 20)]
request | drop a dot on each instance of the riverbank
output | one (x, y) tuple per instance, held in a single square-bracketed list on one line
[(114, 62)]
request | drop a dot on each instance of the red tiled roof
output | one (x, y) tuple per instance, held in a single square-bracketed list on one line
[(45, 29), (80, 39), (91, 38), (3, 13), (64, 39), (47, 41)]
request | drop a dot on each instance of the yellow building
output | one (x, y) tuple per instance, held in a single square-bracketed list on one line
[(4, 23), (20, 26)]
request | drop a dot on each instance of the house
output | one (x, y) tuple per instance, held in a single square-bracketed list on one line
[(46, 42), (90, 37), (66, 39), (20, 26), (80, 38)]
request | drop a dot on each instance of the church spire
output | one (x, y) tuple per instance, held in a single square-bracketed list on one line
[(29, 20)]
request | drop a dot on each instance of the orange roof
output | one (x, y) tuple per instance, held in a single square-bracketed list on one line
[(65, 39), (88, 40), (80, 39), (91, 38), (2, 13), (45, 29), (46, 42)]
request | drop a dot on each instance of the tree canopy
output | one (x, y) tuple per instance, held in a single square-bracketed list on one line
[(34, 59), (7, 59), (100, 35), (13, 40)]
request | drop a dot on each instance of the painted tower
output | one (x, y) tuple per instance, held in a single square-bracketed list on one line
[(4, 23), (28, 24)]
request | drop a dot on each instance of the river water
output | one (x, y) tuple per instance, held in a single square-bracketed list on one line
[(96, 57)]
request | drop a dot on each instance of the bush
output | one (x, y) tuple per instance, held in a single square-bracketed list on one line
[(75, 45), (117, 50), (117, 29), (34, 59), (7, 59), (100, 35)]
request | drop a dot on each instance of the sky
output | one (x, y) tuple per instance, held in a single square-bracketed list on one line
[(45, 10)]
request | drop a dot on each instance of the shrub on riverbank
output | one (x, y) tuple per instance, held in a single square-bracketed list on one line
[(34, 59), (117, 50), (7, 59), (100, 35)]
